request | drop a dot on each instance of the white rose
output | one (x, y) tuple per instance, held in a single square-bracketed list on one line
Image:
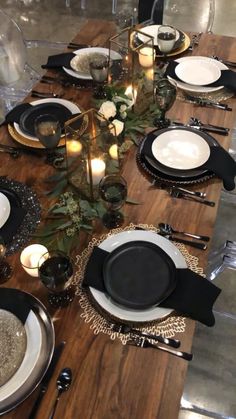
[(123, 115), (123, 108), (127, 101), (119, 126), (108, 109)]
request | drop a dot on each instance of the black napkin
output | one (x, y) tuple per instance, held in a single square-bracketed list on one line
[(193, 296), (220, 162), (59, 60), (9, 229), (14, 301), (227, 78), (15, 114)]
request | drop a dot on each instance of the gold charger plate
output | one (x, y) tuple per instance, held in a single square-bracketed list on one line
[(27, 142), (185, 45)]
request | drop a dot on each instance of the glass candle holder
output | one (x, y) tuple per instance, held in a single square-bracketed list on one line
[(30, 257)]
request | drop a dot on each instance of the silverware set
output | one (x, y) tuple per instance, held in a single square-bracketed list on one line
[(195, 39), (168, 229), (197, 245), (199, 125), (125, 329), (206, 102), (141, 342), (166, 186), (182, 195)]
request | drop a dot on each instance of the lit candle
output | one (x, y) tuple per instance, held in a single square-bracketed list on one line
[(30, 258), (146, 56), (74, 147), (113, 151), (98, 170)]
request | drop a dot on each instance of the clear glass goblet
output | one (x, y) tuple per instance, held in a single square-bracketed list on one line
[(48, 131), (165, 95), (99, 67), (166, 38), (113, 191), (56, 273)]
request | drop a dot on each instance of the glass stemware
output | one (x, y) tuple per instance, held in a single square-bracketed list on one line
[(48, 131), (99, 66), (165, 95), (56, 273), (5, 268), (166, 38), (113, 191)]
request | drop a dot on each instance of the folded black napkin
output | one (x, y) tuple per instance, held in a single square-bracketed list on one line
[(220, 162), (9, 229), (227, 78), (14, 301), (15, 114), (193, 296), (59, 60)]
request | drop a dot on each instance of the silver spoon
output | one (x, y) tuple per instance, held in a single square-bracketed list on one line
[(63, 384), (166, 228)]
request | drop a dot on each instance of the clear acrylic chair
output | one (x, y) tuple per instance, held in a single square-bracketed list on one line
[(191, 15), (16, 76), (221, 259)]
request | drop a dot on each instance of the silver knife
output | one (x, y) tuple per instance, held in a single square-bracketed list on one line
[(45, 381)]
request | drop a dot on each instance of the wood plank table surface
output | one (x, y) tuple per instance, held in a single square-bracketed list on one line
[(111, 380)]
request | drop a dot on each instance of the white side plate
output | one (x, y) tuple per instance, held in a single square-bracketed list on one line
[(5, 209), (124, 313), (69, 105), (198, 89), (198, 72), (180, 149)]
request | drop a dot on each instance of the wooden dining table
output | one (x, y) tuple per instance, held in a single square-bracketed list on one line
[(112, 380)]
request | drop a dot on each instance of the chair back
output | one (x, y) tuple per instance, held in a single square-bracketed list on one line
[(12, 50), (189, 16)]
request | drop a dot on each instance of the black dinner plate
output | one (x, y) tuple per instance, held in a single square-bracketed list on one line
[(21, 298), (170, 173), (27, 119), (139, 275)]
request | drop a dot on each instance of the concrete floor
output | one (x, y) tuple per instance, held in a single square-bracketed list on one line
[(211, 378)]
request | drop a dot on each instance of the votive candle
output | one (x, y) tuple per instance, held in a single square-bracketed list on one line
[(30, 257)]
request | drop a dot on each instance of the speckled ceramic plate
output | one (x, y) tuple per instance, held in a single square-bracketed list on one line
[(21, 390), (20, 349)]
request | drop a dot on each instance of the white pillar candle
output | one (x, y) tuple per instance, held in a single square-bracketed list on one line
[(113, 151), (74, 147), (146, 56), (30, 258), (98, 170)]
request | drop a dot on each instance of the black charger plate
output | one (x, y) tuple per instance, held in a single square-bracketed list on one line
[(139, 275), (27, 119)]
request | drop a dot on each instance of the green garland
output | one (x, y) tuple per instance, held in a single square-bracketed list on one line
[(70, 214)]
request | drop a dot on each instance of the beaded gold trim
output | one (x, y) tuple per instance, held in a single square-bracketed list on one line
[(100, 321)]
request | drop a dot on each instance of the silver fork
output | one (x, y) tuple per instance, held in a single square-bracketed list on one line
[(144, 343)]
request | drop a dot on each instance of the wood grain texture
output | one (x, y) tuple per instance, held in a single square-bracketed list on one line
[(112, 381)]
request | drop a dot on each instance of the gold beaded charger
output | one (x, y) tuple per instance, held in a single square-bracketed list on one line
[(100, 320)]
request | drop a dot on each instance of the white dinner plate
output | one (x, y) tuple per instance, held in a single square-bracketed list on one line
[(198, 89), (5, 209), (123, 313), (178, 149), (33, 348), (69, 105), (198, 72), (152, 30), (85, 51)]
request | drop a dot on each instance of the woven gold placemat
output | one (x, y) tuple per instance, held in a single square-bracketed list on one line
[(101, 321)]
